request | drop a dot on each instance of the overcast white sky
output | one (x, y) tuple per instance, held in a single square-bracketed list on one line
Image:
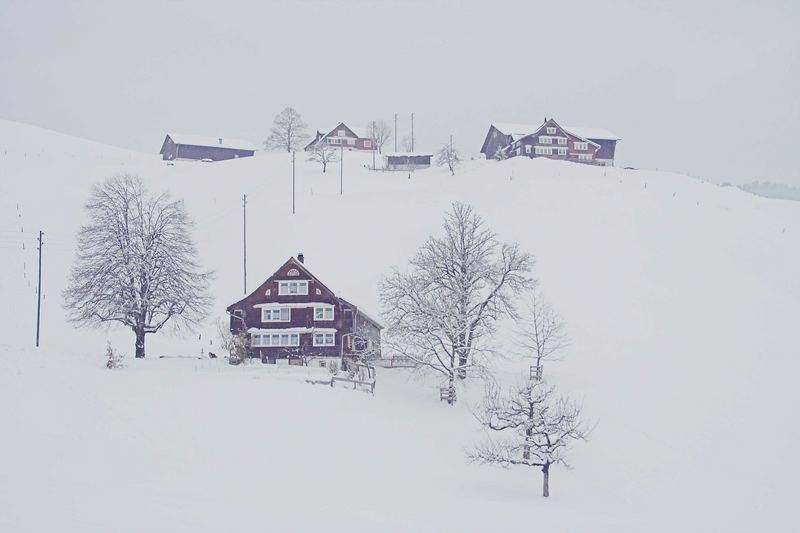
[(708, 88)]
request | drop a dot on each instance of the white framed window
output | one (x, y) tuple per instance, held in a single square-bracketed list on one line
[(293, 288), (562, 141), (551, 130), (323, 312), (262, 340), (542, 150), (334, 140), (527, 148), (562, 151), (276, 314), (543, 139), (580, 145), (293, 272), (341, 133), (584, 157), (350, 140), (324, 339), (367, 144)]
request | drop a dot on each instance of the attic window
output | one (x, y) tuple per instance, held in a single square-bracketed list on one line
[(292, 287), (551, 131), (341, 133), (269, 291), (293, 272)]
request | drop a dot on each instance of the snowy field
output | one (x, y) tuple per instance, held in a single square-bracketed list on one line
[(681, 299)]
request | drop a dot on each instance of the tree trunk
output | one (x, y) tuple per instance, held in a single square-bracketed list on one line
[(546, 481), (139, 342), (451, 397), (462, 363)]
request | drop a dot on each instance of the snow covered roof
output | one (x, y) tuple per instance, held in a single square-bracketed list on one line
[(408, 154), (217, 142), (515, 130), (521, 130), (593, 133), (360, 132)]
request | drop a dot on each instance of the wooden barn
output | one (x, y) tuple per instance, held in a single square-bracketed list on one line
[(549, 139), (200, 148), (343, 136), (293, 316), (406, 160)]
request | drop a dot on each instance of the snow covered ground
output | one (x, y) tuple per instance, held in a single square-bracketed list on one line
[(681, 299)]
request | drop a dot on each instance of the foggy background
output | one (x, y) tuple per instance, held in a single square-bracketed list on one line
[(706, 88)]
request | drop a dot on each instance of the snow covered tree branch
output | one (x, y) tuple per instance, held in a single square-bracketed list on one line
[(448, 157), (379, 132), (540, 328), (458, 285), (136, 263), (536, 428), (288, 131), (323, 154)]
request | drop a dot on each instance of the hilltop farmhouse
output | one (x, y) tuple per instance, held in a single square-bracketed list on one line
[(549, 139), (343, 136), (293, 317)]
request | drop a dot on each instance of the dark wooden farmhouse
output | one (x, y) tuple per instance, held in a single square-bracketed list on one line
[(406, 160), (197, 147), (343, 136), (294, 317), (585, 145)]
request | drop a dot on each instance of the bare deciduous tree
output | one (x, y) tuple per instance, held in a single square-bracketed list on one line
[(541, 330), (406, 143), (380, 132), (537, 428), (457, 286), (288, 131), (136, 262), (323, 154), (448, 157)]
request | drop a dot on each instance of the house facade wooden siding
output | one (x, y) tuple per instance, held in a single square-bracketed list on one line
[(554, 142), (346, 322), (409, 161), (344, 137), (170, 150)]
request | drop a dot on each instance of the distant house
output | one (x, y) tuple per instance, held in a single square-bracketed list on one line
[(293, 316), (198, 147), (343, 136), (407, 160), (549, 139)]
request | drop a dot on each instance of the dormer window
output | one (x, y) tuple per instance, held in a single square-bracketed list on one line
[(551, 130), (292, 288)]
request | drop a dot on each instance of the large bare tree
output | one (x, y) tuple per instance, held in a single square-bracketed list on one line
[(380, 132), (288, 131), (536, 428), (323, 154), (458, 285), (136, 263)]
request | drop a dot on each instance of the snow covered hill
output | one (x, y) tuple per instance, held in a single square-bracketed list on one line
[(681, 299)]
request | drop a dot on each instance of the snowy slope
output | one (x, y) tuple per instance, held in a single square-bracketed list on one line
[(681, 299)]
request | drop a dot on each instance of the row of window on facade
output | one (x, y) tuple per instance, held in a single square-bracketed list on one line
[(545, 150), (284, 314), (349, 141), (562, 141), (262, 340)]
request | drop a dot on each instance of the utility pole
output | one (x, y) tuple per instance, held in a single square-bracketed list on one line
[(412, 132), (373, 145), (395, 132), (341, 170), (244, 232), (39, 292), (293, 182)]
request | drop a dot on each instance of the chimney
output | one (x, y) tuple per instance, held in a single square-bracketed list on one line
[(301, 257), (220, 140)]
